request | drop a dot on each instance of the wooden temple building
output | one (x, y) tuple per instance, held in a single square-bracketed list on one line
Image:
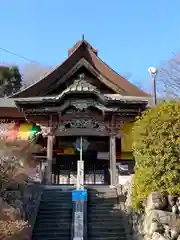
[(82, 97)]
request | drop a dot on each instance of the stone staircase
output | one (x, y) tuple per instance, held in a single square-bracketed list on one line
[(54, 217), (105, 220)]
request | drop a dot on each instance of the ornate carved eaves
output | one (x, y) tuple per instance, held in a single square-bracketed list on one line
[(79, 105)]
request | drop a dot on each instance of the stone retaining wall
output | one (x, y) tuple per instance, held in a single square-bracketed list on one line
[(19, 203), (161, 217)]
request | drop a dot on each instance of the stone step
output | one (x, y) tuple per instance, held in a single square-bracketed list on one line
[(55, 229), (102, 192), (65, 219), (107, 204), (100, 196), (51, 238), (105, 207), (55, 205), (63, 225), (102, 202), (105, 190), (62, 203), (57, 199), (104, 217), (62, 200), (64, 195), (50, 203), (108, 226), (106, 234), (107, 238), (56, 195), (56, 216), (99, 188), (57, 189), (54, 208), (47, 235), (104, 221), (97, 194), (104, 211), (56, 192), (104, 214), (56, 202), (105, 198), (109, 222)]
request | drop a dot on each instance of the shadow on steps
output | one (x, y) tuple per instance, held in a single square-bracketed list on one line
[(105, 220)]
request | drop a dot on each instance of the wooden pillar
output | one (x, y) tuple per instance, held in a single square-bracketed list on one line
[(112, 147), (112, 151), (49, 157), (49, 151)]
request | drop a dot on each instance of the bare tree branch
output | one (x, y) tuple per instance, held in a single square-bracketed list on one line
[(169, 77), (33, 72), (141, 84)]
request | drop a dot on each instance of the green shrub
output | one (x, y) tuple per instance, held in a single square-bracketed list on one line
[(156, 147)]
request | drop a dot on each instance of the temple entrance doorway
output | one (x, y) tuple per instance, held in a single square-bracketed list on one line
[(95, 156)]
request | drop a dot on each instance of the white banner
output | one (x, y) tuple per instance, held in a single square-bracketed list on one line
[(78, 225), (80, 174)]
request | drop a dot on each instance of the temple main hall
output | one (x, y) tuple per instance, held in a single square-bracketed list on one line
[(83, 101)]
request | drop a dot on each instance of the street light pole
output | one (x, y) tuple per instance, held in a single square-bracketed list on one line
[(153, 73)]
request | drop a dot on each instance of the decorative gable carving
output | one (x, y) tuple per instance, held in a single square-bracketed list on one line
[(79, 65), (82, 84)]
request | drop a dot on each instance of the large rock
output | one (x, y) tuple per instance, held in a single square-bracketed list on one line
[(18, 205), (172, 200), (156, 200), (129, 192), (158, 236), (156, 220), (8, 212), (125, 191)]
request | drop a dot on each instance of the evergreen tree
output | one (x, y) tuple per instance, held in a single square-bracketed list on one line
[(157, 151), (10, 80)]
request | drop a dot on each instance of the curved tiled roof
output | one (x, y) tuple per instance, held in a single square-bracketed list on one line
[(82, 50)]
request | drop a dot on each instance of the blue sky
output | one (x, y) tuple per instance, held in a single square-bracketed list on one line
[(129, 35)]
